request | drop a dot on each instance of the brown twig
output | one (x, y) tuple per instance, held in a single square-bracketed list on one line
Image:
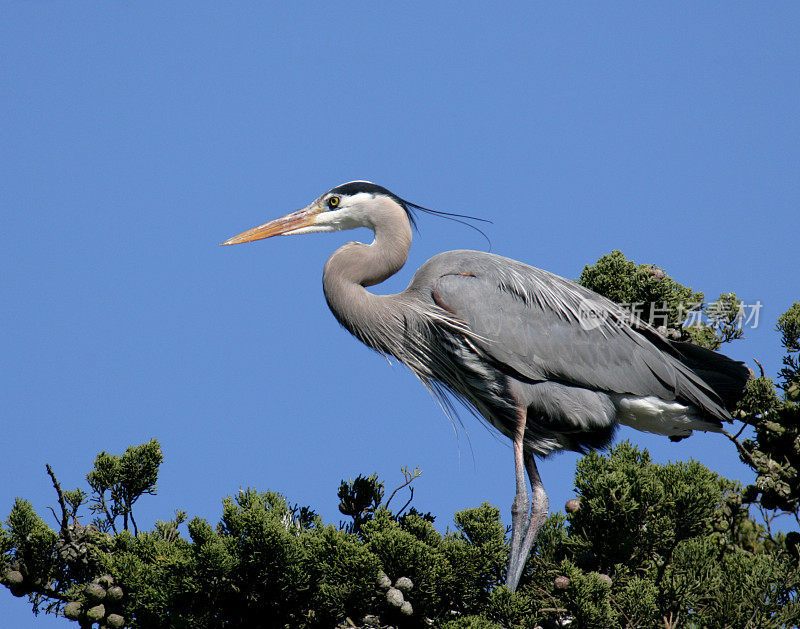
[(408, 502), (410, 478), (740, 448), (61, 502), (555, 607), (133, 522), (621, 611), (670, 623), (49, 592), (767, 521)]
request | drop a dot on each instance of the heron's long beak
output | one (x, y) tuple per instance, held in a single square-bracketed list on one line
[(278, 227)]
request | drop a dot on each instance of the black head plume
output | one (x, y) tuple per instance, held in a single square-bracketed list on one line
[(354, 187), (451, 216)]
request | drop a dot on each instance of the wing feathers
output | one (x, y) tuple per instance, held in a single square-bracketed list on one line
[(546, 328)]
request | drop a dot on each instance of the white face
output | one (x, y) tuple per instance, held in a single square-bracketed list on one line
[(337, 212), (331, 212)]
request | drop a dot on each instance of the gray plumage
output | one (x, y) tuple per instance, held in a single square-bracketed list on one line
[(569, 369), (549, 363)]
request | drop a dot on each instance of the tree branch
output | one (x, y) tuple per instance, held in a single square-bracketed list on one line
[(630, 624), (407, 503), (104, 510), (135, 529), (741, 449), (64, 514), (410, 478)]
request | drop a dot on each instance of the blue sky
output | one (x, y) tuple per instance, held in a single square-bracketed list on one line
[(136, 137)]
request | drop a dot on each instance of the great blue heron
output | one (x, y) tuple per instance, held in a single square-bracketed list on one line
[(550, 364)]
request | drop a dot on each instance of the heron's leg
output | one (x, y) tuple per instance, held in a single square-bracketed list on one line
[(521, 505), (540, 505)]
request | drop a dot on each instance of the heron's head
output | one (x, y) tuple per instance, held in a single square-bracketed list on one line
[(351, 205)]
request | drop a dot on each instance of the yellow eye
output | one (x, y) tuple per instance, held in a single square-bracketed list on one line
[(333, 201)]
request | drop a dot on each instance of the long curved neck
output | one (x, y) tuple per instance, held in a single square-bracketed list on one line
[(355, 265)]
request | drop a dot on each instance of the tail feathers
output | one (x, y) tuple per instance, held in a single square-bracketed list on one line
[(727, 377)]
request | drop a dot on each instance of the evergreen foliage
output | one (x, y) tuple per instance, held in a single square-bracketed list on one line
[(774, 451), (646, 289), (125, 479), (685, 553), (642, 545), (653, 296)]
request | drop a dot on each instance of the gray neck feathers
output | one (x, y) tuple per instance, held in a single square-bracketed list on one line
[(376, 320)]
